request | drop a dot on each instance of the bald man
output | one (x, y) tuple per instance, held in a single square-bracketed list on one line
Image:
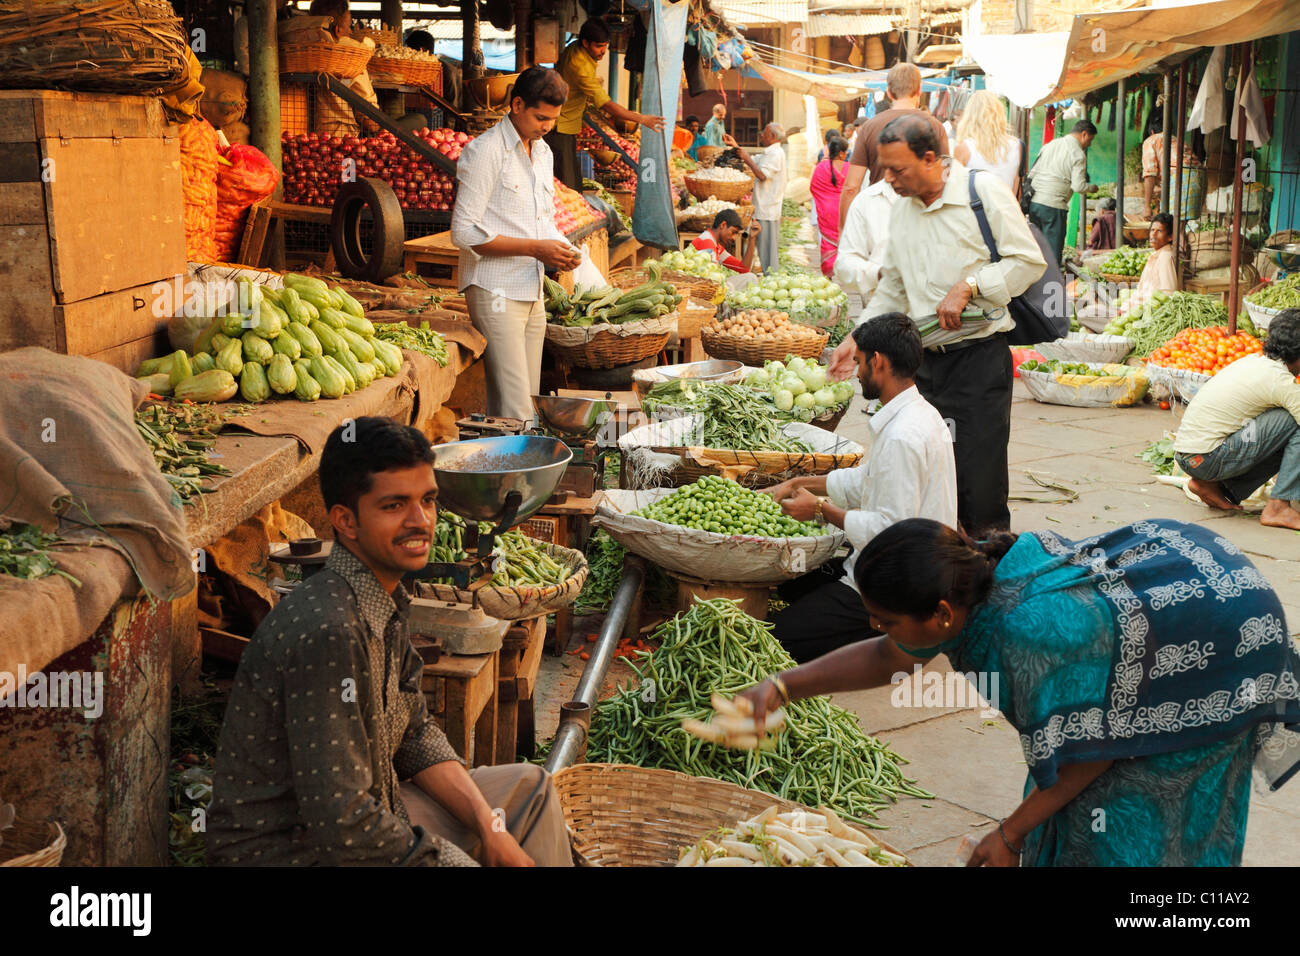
[(769, 190)]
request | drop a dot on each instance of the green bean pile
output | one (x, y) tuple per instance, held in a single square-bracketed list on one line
[(722, 506), (735, 417), (520, 560), (417, 339), (1284, 294), (821, 757)]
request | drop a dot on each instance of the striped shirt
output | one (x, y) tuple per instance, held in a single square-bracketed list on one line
[(503, 192)]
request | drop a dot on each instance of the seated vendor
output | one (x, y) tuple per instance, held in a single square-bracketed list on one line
[(328, 755), (910, 473), (1102, 236), (1160, 274), (1243, 427), (726, 228)]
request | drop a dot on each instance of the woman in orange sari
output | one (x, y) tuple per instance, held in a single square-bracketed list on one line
[(826, 185)]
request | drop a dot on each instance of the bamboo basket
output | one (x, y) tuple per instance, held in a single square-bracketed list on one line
[(726, 191), (608, 345), (621, 815), (707, 154), (113, 46), (409, 72), (755, 352), (517, 603), (33, 845), (382, 36), (341, 61), (1118, 279), (687, 285)]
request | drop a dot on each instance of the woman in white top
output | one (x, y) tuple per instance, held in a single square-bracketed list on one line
[(983, 141)]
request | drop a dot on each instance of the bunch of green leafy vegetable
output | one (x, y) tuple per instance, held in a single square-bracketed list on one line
[(25, 552)]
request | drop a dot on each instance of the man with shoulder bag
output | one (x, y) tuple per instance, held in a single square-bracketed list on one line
[(969, 265)]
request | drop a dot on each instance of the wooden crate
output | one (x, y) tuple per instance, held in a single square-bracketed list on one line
[(91, 217)]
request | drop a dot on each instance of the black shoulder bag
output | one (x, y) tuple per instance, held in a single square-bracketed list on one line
[(1041, 312)]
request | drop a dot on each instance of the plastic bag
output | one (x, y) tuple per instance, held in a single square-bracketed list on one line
[(199, 158), (243, 180)]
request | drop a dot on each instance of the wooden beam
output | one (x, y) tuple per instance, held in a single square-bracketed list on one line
[(1178, 175), (1234, 279), (1168, 133), (1121, 120)]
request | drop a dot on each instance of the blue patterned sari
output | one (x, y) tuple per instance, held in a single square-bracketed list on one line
[(1158, 646)]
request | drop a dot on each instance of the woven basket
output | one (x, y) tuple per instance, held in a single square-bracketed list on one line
[(755, 352), (726, 191), (696, 287), (409, 72), (604, 347), (707, 154), (33, 845), (113, 46), (1087, 347), (831, 420), (1119, 279), (342, 61), (382, 37), (621, 815), (517, 603), (1261, 315)]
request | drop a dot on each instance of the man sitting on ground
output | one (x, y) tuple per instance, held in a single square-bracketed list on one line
[(1243, 427), (910, 473), (327, 755), (715, 241)]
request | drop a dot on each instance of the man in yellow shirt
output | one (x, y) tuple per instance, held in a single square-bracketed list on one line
[(577, 64), (1243, 427)]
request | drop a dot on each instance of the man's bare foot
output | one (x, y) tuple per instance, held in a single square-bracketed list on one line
[(1211, 492), (1280, 514)]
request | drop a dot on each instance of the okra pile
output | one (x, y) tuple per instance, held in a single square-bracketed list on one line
[(722, 506), (821, 757), (609, 304), (181, 438)]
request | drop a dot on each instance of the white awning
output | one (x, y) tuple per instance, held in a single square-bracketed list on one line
[(847, 24), (762, 13)]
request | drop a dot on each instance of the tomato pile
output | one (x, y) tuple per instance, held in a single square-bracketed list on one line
[(1206, 350)]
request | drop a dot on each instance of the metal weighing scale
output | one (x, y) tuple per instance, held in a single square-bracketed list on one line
[(575, 422), (504, 480), (1286, 258)]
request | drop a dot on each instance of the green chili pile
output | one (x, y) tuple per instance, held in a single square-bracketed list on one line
[(821, 757)]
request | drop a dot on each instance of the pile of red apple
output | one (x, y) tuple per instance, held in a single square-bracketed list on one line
[(315, 166)]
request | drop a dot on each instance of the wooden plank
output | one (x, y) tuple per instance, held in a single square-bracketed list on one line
[(22, 204), (106, 321), (297, 213), (115, 213), (127, 356), (33, 114), (253, 243), (573, 506), (20, 163), (485, 728), (28, 316), (437, 242)]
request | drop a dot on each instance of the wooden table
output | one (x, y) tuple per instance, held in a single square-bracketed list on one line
[(520, 660), (434, 250), (463, 689)]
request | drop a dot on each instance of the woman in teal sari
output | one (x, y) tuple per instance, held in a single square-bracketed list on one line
[(1148, 670)]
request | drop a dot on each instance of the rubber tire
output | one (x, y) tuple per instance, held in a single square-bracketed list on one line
[(389, 232)]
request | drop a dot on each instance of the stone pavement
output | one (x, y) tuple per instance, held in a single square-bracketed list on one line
[(975, 766)]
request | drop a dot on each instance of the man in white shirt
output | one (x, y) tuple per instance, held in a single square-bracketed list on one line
[(504, 226), (769, 190), (909, 473), (936, 265), (864, 239), (1243, 427), (1060, 171)]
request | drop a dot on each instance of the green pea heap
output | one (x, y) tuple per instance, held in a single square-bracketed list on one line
[(722, 506)]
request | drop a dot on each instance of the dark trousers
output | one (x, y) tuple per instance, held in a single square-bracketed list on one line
[(1051, 221), (564, 146), (971, 388), (824, 614)]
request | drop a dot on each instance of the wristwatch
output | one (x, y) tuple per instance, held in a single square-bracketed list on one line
[(974, 286)]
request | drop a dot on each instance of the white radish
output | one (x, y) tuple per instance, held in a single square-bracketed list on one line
[(834, 856), (747, 850), (802, 820), (698, 728), (729, 861), (858, 859), (691, 858), (743, 705), (787, 852), (725, 707), (767, 816), (741, 742), (731, 724)]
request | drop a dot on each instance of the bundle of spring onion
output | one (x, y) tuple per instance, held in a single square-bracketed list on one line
[(417, 339), (794, 838), (520, 559), (821, 757)]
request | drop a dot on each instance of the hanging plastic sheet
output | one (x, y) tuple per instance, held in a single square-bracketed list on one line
[(653, 222)]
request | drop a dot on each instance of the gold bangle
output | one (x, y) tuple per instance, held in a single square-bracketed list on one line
[(781, 689), (817, 515)]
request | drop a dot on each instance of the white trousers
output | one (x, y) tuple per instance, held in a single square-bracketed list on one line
[(515, 332)]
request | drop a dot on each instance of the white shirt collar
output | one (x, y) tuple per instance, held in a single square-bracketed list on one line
[(891, 409)]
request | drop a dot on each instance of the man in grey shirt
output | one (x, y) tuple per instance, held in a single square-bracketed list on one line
[(1060, 171)]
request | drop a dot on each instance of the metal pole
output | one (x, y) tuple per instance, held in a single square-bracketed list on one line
[(1168, 133), (613, 76), (523, 34), (1234, 280), (264, 81), (571, 738), (1121, 121), (1178, 175)]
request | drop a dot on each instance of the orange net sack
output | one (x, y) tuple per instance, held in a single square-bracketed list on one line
[(244, 178), (199, 186)]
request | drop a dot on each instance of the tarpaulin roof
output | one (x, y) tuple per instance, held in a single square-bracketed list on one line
[(835, 87), (847, 24), (1033, 68)]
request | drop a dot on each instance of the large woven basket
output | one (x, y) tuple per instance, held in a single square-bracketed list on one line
[(410, 72), (1087, 347), (111, 46), (1261, 315), (33, 845), (343, 61), (726, 191), (621, 815), (707, 154), (517, 603), (382, 36), (697, 287), (755, 352), (605, 348)]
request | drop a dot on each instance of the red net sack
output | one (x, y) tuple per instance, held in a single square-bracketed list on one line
[(244, 178), (199, 185)]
